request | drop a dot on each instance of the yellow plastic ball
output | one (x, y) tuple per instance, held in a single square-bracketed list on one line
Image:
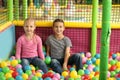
[(32, 67), (73, 74), (98, 62), (25, 76), (3, 64), (8, 75), (109, 65), (118, 64), (38, 74), (14, 63), (65, 73)]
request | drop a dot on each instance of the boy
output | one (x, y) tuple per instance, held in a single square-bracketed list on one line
[(58, 48)]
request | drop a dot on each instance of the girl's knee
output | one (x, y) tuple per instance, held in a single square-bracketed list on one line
[(25, 61)]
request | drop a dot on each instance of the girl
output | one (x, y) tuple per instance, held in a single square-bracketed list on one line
[(29, 47)]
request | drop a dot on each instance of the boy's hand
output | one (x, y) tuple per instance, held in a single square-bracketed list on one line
[(65, 67)]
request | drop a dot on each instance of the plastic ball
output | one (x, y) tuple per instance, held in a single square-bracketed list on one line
[(2, 78), (20, 71), (97, 62), (56, 75), (108, 74), (82, 54), (96, 73), (88, 62), (38, 74), (12, 57), (50, 74), (32, 67), (29, 72), (3, 64), (5, 69), (84, 59), (97, 56), (118, 64), (112, 74), (114, 56), (85, 66), (18, 77), (25, 76), (47, 60), (1, 74), (112, 68), (93, 60), (19, 61), (86, 71), (34, 78), (8, 75), (118, 79), (39, 78), (14, 74), (18, 66), (61, 77), (94, 78), (11, 78), (47, 78), (90, 68), (77, 79), (95, 69), (88, 54), (72, 69), (80, 72), (112, 62), (70, 78), (85, 77), (14, 62), (73, 74), (65, 73), (54, 78), (118, 58), (27, 67)]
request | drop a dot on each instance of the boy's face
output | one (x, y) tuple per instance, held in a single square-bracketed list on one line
[(58, 28), (29, 27)]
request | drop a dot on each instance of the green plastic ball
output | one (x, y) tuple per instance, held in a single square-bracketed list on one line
[(47, 60)]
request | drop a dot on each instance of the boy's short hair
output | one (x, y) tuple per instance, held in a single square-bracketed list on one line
[(58, 20)]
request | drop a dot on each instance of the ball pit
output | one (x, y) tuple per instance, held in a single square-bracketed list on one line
[(12, 70)]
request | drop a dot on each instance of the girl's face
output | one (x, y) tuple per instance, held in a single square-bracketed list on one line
[(58, 28), (29, 27)]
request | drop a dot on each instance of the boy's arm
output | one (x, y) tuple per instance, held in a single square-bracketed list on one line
[(67, 55), (48, 51)]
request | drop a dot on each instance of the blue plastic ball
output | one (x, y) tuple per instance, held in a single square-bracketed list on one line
[(93, 60), (86, 71), (114, 56), (18, 77), (97, 56)]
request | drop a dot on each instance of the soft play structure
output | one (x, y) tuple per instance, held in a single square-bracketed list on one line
[(93, 29)]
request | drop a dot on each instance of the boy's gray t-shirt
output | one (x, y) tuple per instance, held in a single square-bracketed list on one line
[(57, 47)]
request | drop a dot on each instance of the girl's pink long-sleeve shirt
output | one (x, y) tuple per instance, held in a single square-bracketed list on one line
[(29, 48)]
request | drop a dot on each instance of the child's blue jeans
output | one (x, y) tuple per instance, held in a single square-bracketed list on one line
[(56, 64), (37, 62)]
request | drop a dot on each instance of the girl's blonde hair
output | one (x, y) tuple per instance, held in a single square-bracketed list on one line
[(29, 19)]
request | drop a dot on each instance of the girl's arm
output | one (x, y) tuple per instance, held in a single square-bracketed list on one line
[(40, 51), (67, 55), (18, 49)]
